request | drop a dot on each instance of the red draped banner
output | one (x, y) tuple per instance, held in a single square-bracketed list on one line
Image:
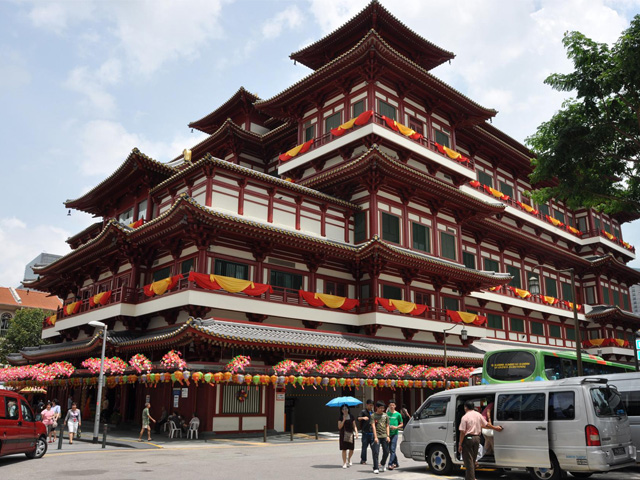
[(161, 286), (398, 127), (229, 284), (465, 317), (451, 153), (300, 149), (361, 119), (72, 308), (331, 301), (391, 305), (100, 298)]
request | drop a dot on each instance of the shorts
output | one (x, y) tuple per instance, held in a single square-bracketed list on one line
[(73, 427), (145, 425)]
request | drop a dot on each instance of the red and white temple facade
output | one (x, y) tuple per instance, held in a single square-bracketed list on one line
[(357, 214)]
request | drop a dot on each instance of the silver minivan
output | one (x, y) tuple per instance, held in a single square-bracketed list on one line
[(628, 384), (577, 425)]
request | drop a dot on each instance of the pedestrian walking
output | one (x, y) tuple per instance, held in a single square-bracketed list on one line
[(470, 428), (487, 433), (73, 421), (348, 434), (405, 415), (56, 409), (380, 427), (366, 431), (395, 424), (48, 416), (146, 418)]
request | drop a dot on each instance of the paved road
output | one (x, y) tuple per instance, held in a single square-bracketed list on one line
[(237, 459)]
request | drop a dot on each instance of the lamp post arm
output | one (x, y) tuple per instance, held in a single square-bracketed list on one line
[(96, 423)]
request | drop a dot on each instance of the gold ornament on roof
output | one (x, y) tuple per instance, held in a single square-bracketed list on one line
[(186, 153)]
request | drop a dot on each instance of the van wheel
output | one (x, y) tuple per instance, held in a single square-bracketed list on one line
[(439, 460), (553, 473), (40, 450), (581, 474)]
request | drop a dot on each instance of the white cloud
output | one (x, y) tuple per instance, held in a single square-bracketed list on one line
[(58, 16), (21, 243), (93, 85), (331, 15), (13, 72), (291, 18)]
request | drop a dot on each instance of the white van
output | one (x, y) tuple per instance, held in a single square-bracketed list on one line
[(628, 384), (576, 424)]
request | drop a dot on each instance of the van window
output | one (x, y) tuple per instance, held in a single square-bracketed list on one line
[(11, 408), (607, 402), (562, 406), (631, 401), (521, 407), (435, 408), (27, 415), (510, 366)]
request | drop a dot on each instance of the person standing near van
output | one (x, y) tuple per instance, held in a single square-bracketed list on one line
[(366, 431), (395, 423), (56, 409), (470, 428), (380, 427)]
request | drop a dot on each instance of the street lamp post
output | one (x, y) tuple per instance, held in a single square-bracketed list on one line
[(463, 335), (96, 423), (534, 288)]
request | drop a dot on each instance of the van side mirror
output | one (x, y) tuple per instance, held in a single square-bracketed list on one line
[(415, 416)]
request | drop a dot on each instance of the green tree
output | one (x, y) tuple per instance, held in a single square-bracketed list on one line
[(25, 330), (592, 144)]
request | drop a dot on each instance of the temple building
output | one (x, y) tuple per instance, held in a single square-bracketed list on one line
[(368, 212)]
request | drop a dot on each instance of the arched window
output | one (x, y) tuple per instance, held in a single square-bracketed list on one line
[(4, 323)]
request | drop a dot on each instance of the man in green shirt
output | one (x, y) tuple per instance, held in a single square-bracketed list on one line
[(146, 417), (395, 423), (380, 427)]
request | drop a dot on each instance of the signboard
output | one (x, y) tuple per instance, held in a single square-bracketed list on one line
[(637, 343), (185, 393), (280, 396), (147, 399), (176, 400)]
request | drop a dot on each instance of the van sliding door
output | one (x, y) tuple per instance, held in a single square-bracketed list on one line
[(524, 442)]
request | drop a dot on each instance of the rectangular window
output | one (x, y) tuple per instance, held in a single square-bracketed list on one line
[(442, 138), (335, 288), (590, 295), (550, 287), (543, 209), (435, 408), (423, 298), (360, 227), (606, 298), (506, 189), (537, 328), (286, 280), (562, 406), (469, 260), (416, 125), (11, 408), (521, 407), (250, 404), (231, 269), (596, 223), (582, 224), (515, 273), (390, 228), (448, 246), (421, 237), (555, 331), (365, 291), (186, 266), (494, 321), (386, 109), (571, 334), (126, 217), (558, 215), (491, 265), (567, 294), (625, 302), (517, 325), (485, 179), (449, 303), (142, 210), (309, 131), (332, 121), (607, 227), (358, 108), (161, 274), (393, 292), (616, 232)]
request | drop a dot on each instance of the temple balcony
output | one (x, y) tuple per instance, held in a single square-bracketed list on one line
[(538, 219), (329, 144), (282, 302)]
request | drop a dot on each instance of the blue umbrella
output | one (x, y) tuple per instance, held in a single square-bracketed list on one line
[(340, 401)]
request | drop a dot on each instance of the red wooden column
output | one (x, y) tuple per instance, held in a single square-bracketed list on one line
[(323, 220), (210, 172), (242, 183), (298, 211), (271, 192)]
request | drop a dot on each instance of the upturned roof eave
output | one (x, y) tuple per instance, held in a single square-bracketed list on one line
[(233, 101)]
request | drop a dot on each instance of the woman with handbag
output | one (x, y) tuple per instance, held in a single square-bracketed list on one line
[(348, 434), (73, 421), (48, 416)]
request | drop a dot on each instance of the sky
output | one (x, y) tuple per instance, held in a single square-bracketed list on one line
[(83, 82)]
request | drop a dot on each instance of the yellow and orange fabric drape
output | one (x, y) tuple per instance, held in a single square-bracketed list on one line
[(495, 193), (137, 223), (497, 288), (569, 305), (72, 308), (300, 149), (326, 300), (404, 130), (605, 342), (51, 320), (574, 230), (554, 221), (402, 306), (229, 284), (520, 292), (475, 183), (162, 286), (466, 317), (361, 119), (451, 153), (527, 208), (549, 300), (609, 236), (101, 298)]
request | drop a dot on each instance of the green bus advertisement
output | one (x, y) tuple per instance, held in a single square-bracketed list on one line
[(530, 365)]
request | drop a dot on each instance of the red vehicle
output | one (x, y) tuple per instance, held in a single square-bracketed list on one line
[(19, 431)]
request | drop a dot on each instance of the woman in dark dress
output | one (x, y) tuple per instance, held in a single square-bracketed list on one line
[(348, 434)]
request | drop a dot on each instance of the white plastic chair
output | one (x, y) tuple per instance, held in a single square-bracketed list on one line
[(194, 425), (173, 429)]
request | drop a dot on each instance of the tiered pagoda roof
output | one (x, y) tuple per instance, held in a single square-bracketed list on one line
[(237, 107)]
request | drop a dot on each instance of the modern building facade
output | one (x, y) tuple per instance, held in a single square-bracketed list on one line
[(358, 214), (41, 260)]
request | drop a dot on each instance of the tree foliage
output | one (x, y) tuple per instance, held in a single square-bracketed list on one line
[(592, 144), (25, 330)]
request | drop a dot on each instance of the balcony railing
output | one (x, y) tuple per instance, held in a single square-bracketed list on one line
[(377, 118)]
